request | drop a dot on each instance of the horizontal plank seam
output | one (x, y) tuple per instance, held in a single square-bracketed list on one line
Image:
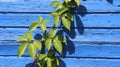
[(113, 58), (85, 42), (5, 12), (62, 27)]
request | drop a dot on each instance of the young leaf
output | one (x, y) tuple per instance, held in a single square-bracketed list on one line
[(33, 26), (21, 49), (41, 56), (66, 23), (32, 50), (49, 62), (77, 2), (59, 6), (67, 1), (52, 33), (69, 16), (57, 45), (21, 39), (38, 45), (29, 36), (54, 14), (48, 44), (43, 26), (54, 3), (56, 20), (57, 61), (45, 21), (40, 19), (61, 11)]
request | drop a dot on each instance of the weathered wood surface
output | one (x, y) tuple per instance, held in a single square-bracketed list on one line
[(96, 37), (88, 35), (89, 20), (68, 62), (43, 5)]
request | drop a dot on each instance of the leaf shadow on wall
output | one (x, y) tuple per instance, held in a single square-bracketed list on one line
[(77, 26), (110, 1), (69, 47)]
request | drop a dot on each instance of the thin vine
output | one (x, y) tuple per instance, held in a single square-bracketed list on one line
[(52, 41)]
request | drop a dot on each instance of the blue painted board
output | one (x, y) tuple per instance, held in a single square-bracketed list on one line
[(87, 35), (42, 6), (66, 62), (89, 20), (75, 49)]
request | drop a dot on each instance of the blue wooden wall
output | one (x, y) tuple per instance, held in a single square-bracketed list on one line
[(94, 41)]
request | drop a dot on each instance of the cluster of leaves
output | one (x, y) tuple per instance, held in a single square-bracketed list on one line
[(50, 39)]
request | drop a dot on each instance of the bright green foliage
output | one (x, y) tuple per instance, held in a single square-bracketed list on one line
[(52, 33), (21, 49), (77, 2), (33, 26), (29, 36), (50, 39), (38, 45), (32, 50), (48, 43), (21, 39), (58, 44), (67, 1), (66, 23)]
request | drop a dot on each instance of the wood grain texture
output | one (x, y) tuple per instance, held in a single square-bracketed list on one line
[(66, 62), (87, 35), (94, 41), (73, 50), (42, 6), (89, 20)]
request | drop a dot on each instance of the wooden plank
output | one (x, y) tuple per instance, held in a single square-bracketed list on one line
[(14, 61), (82, 35), (73, 49), (66, 62), (42, 6), (89, 20)]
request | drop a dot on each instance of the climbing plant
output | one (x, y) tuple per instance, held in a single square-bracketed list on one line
[(50, 40)]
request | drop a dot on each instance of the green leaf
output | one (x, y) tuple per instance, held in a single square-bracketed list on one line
[(59, 6), (21, 39), (32, 50), (69, 16), (61, 38), (38, 45), (54, 3), (52, 33), (54, 14), (56, 20), (43, 26), (49, 62), (33, 26), (46, 36), (21, 49), (77, 2), (29, 36), (57, 45), (45, 21), (48, 43), (61, 11), (41, 56), (50, 53), (40, 19), (58, 62), (67, 1), (66, 23)]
